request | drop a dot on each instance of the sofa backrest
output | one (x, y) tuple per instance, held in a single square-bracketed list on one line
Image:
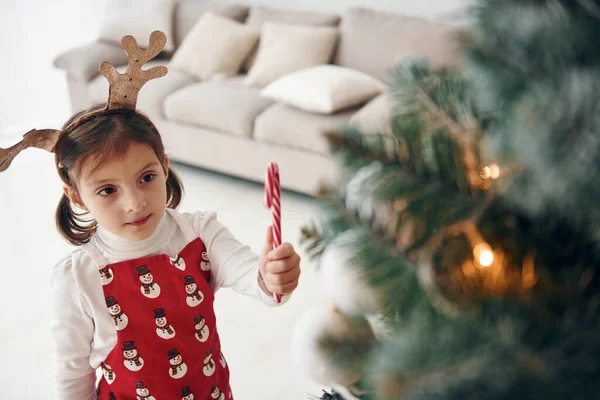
[(187, 13), (373, 42)]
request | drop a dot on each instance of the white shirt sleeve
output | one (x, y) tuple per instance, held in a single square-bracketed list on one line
[(72, 330), (233, 264)]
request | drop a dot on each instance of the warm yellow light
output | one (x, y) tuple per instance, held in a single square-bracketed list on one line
[(494, 171), (490, 172), (483, 254)]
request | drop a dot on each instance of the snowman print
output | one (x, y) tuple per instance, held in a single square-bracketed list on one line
[(178, 367), (108, 373), (118, 316), (209, 364), (149, 288), (194, 296), (178, 262), (186, 394), (202, 332), (133, 361), (106, 275), (222, 360), (112, 396), (142, 392), (164, 330), (205, 263), (216, 393)]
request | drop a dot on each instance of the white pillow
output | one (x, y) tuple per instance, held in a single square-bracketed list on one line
[(138, 18), (286, 48), (324, 89), (376, 116), (215, 47)]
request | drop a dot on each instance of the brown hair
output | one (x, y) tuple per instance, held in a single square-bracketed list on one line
[(102, 135)]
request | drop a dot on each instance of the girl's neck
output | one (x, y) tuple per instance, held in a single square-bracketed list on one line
[(119, 247)]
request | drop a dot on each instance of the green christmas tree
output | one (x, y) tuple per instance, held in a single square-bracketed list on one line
[(462, 252)]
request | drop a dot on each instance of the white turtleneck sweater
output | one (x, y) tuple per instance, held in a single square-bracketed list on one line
[(83, 330)]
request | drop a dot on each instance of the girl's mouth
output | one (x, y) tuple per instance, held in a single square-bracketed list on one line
[(140, 222)]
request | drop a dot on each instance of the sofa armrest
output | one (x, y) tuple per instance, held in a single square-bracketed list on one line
[(83, 62)]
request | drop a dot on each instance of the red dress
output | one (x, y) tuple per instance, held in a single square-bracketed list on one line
[(168, 347)]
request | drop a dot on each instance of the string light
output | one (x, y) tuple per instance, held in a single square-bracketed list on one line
[(490, 172), (483, 254)]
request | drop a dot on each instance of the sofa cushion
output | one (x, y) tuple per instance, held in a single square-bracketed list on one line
[(376, 116), (259, 15), (225, 105), (138, 18), (152, 94), (83, 62), (216, 46), (373, 41), (188, 12), (290, 127), (286, 48), (324, 89)]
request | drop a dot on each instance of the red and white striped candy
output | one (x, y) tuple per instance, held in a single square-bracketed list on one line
[(273, 202)]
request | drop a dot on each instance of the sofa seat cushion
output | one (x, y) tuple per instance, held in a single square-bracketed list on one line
[(290, 127), (152, 94), (225, 105)]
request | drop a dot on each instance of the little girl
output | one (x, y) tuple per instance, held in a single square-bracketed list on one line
[(136, 298)]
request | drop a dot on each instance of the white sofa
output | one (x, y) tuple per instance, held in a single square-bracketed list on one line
[(226, 126)]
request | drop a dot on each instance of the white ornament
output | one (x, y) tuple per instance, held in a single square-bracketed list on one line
[(345, 284), (312, 328)]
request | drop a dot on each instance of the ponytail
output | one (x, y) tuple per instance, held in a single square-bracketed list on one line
[(72, 225), (174, 189)]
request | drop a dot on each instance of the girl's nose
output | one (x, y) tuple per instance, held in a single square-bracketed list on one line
[(136, 201)]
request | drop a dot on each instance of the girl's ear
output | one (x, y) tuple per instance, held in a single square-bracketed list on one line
[(165, 166), (74, 197)]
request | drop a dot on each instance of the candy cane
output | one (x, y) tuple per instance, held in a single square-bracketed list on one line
[(273, 202)]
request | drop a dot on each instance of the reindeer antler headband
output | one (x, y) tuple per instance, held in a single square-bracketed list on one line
[(122, 94)]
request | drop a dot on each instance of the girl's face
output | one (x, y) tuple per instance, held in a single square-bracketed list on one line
[(127, 196)]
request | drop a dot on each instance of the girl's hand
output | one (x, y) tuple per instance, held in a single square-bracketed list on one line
[(280, 267)]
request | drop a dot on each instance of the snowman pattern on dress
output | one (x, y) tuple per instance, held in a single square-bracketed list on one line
[(178, 368), (142, 392), (222, 360), (202, 332), (106, 275), (149, 288), (112, 396), (186, 394), (216, 393), (164, 329), (209, 364), (178, 262), (118, 316), (108, 373), (194, 296), (205, 262), (133, 361)]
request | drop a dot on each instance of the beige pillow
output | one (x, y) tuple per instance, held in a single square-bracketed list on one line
[(287, 48), (324, 89), (215, 47), (376, 116), (138, 18)]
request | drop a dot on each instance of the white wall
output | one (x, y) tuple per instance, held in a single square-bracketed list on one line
[(34, 93)]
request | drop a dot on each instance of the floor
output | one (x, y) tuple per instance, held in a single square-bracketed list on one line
[(256, 339)]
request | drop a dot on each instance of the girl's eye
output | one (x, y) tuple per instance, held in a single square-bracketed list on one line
[(106, 191), (148, 178)]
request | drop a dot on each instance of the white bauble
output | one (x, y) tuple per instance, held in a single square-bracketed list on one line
[(327, 323), (344, 282)]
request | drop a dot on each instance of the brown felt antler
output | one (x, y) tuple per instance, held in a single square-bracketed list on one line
[(124, 88), (42, 139)]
